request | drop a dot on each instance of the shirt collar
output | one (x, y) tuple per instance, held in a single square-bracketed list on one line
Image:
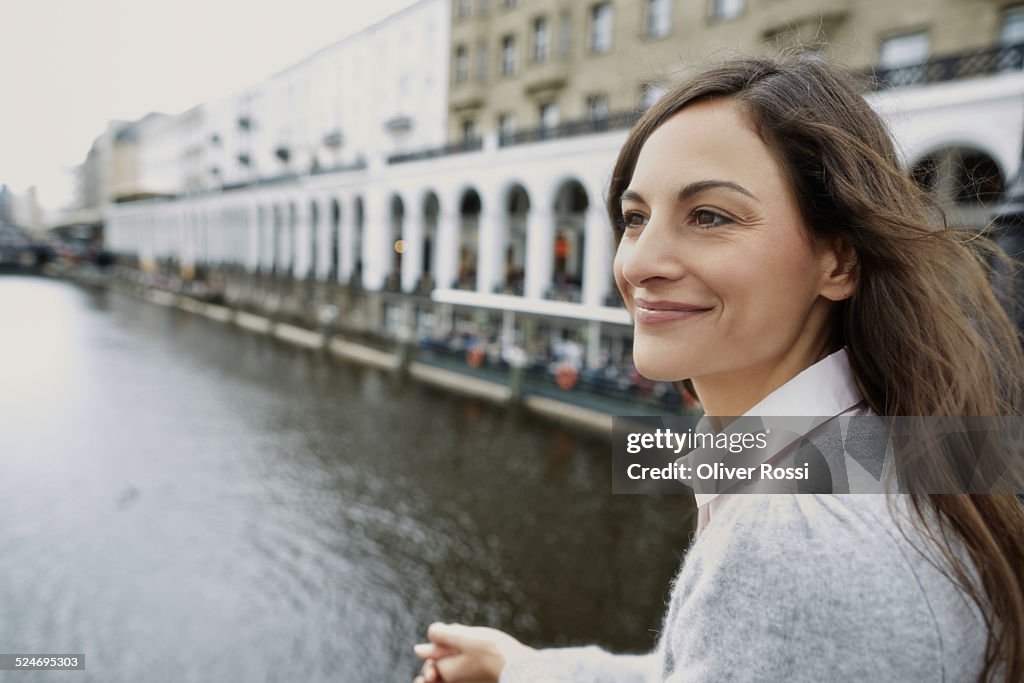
[(824, 390)]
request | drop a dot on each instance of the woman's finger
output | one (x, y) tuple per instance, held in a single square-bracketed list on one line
[(430, 674), (453, 636), (432, 650)]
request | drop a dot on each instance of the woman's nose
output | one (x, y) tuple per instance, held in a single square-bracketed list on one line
[(650, 256)]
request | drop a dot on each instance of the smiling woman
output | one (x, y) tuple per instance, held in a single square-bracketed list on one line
[(772, 252), (716, 265)]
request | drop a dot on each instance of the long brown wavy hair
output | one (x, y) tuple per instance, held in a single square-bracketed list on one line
[(925, 331)]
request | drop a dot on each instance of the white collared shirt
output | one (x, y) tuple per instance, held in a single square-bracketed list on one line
[(826, 389)]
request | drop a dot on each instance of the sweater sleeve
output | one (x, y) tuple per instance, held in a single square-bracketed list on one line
[(795, 588), (798, 588), (583, 665)]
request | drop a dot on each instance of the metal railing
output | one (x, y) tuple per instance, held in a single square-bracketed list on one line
[(357, 165), (613, 392), (469, 145), (570, 129), (564, 291), (288, 177), (269, 180), (985, 62)]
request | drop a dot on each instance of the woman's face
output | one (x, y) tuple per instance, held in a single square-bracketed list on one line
[(715, 263)]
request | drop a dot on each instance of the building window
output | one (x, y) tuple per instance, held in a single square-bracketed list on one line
[(510, 4), (481, 61), (468, 129), (564, 35), (548, 116), (659, 18), (461, 64), (650, 94), (724, 10), (539, 48), (601, 27), (908, 49), (463, 9), (509, 57), (506, 126), (1012, 29), (597, 107), (901, 57), (483, 8)]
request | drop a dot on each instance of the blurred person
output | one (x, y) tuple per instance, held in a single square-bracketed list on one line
[(772, 251)]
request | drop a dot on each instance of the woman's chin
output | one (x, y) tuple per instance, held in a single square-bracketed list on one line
[(657, 371)]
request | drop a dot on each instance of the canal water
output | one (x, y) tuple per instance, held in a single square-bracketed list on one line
[(181, 500)]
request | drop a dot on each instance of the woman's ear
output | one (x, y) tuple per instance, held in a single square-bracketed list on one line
[(841, 270)]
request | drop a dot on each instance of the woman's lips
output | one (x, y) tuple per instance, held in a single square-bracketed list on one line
[(649, 312)]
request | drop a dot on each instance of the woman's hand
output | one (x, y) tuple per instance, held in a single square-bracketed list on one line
[(466, 654)]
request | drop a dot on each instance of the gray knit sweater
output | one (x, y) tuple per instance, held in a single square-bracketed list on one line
[(797, 588)]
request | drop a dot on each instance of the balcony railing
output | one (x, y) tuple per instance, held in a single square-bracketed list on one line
[(571, 129), (510, 287), (470, 145), (564, 291), (269, 180), (986, 62), (357, 165), (424, 284)]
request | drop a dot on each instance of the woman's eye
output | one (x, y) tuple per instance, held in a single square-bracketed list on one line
[(632, 219), (705, 218)]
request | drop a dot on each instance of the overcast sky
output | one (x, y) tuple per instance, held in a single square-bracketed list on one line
[(72, 65)]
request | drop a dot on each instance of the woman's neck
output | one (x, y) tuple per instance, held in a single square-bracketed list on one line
[(734, 393)]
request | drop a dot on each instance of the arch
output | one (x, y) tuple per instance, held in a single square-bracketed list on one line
[(238, 257), (925, 172), (468, 242), (293, 219), (230, 242), (431, 216), (334, 263), (972, 166), (358, 219), (980, 180), (314, 238), (261, 230), (470, 201), (513, 248), (278, 223), (245, 237), (570, 208), (396, 246), (965, 180), (229, 246), (962, 140)]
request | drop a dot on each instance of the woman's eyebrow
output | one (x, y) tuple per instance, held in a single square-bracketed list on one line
[(692, 189), (631, 195), (703, 185)]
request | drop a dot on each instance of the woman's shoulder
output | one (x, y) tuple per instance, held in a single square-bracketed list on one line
[(865, 543), (823, 523), (811, 518), (847, 576)]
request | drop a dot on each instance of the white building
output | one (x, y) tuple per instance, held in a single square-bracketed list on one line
[(508, 229), (380, 91)]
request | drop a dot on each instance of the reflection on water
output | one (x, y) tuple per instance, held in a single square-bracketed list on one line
[(185, 501)]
